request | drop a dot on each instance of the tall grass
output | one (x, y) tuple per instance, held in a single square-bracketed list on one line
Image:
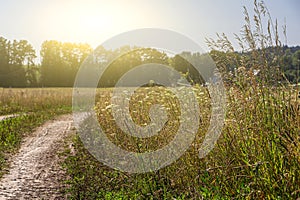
[(258, 154), (18, 100), (262, 128)]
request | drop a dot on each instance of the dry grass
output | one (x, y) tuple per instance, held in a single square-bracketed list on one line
[(139, 108), (16, 100), (258, 154)]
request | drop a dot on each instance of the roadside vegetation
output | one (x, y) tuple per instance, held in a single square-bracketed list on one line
[(31, 108), (258, 154), (256, 157)]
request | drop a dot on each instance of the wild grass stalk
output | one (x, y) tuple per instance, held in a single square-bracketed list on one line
[(257, 156)]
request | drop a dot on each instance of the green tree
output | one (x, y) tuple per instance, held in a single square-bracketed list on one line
[(16, 60), (4, 61), (130, 57), (188, 63), (60, 62), (51, 63)]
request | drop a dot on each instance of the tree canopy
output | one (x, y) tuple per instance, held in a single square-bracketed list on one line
[(60, 62), (16, 63)]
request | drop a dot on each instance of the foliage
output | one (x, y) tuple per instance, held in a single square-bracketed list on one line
[(257, 156), (128, 59), (17, 63), (60, 62), (291, 66), (258, 148)]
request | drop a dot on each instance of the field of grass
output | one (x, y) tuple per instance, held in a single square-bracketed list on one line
[(24, 100), (34, 106), (257, 156)]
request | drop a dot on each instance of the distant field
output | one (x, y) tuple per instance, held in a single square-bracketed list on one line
[(16, 100)]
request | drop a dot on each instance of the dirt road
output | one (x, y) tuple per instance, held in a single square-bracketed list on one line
[(34, 171)]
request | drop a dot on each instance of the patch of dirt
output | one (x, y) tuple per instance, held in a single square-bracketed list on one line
[(34, 172), (4, 117)]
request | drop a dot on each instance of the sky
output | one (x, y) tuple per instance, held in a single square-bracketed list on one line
[(95, 21)]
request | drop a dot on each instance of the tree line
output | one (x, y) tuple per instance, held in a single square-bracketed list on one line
[(17, 67), (60, 62), (58, 67)]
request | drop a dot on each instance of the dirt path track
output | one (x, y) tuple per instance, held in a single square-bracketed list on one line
[(34, 172)]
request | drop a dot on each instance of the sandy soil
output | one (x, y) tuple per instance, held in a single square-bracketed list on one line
[(34, 171)]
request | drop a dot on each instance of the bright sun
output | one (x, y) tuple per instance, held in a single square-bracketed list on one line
[(92, 23), (79, 21), (95, 23)]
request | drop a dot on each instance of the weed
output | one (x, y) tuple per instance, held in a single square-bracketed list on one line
[(257, 156)]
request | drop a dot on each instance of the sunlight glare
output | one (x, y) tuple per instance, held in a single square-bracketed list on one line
[(95, 23)]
